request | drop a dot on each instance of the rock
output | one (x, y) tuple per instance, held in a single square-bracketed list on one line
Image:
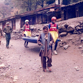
[(70, 29), (15, 78), (60, 44), (80, 47), (62, 29), (66, 25), (63, 34), (81, 38), (2, 66), (76, 68), (66, 47), (70, 39), (79, 28)]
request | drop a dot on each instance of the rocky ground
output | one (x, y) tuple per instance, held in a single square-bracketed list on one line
[(73, 26), (22, 65)]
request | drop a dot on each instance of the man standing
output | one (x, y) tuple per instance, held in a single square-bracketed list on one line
[(53, 28), (0, 35), (7, 30), (45, 40)]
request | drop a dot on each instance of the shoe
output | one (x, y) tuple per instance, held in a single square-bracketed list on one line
[(44, 70), (7, 47), (55, 52), (49, 69)]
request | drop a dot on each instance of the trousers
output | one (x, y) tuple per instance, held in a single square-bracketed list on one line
[(8, 37)]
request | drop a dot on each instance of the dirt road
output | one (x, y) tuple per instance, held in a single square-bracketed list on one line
[(25, 64)]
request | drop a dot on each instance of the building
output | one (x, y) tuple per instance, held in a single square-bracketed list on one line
[(43, 15), (72, 10), (39, 16)]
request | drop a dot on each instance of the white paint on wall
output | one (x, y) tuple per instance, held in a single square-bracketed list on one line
[(56, 1), (18, 23), (10, 23)]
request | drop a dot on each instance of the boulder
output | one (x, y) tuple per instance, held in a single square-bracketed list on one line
[(63, 34), (62, 29), (32, 27), (70, 29), (66, 25), (76, 68)]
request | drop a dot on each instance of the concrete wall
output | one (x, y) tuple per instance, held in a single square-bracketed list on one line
[(18, 25)]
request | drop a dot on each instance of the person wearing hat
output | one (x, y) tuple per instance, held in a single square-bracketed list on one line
[(7, 30), (0, 35), (45, 40), (26, 28), (53, 28)]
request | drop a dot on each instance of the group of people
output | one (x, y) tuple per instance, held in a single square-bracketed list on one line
[(45, 40)]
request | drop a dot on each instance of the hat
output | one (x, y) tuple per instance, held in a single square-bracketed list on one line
[(7, 23), (26, 21), (53, 18)]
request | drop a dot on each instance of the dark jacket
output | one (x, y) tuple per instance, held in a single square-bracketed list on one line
[(7, 29)]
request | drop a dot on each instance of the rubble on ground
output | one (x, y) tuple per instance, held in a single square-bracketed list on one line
[(71, 26)]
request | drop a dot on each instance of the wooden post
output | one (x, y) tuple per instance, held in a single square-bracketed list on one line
[(40, 19), (36, 19), (67, 13), (62, 14), (77, 11)]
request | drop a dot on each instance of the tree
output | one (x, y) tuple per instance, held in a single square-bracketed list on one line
[(4, 10), (23, 4), (30, 4)]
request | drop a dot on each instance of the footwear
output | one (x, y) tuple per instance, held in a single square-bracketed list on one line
[(55, 52), (7, 47), (44, 70), (49, 69)]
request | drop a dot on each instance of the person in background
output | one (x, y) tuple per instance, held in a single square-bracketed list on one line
[(0, 35), (45, 40), (7, 30), (53, 28), (26, 29)]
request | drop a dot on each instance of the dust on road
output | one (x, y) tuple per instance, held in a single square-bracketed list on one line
[(26, 65)]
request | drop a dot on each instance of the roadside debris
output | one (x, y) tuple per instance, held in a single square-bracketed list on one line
[(76, 68), (15, 78), (66, 47), (2, 66)]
